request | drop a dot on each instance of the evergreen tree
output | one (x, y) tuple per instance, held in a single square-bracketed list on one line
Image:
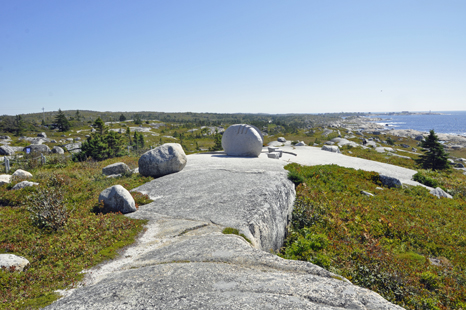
[(141, 141), (100, 147), (136, 139), (122, 118), (128, 134), (99, 123), (137, 119), (218, 142), (19, 125), (77, 116), (62, 122), (435, 157)]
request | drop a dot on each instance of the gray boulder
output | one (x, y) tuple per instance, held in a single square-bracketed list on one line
[(58, 150), (382, 149), (73, 147), (42, 135), (118, 199), (331, 148), (301, 143), (419, 138), (163, 160), (5, 137), (24, 184), (5, 179), (116, 168), (6, 150), (242, 140), (440, 193), (38, 148), (281, 139), (390, 181), (22, 174), (10, 260), (329, 143), (69, 139)]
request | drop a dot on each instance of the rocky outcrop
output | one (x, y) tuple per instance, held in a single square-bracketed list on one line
[(116, 168), (13, 262), (22, 174), (183, 261), (242, 140), (6, 150), (24, 184), (439, 193), (390, 181), (118, 199), (165, 159), (331, 148), (73, 147), (38, 148)]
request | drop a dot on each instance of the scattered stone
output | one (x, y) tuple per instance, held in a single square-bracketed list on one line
[(70, 139), (440, 193), (456, 147), (413, 149), (5, 179), (73, 147), (358, 133), (77, 139), (5, 137), (367, 193), (451, 161), (53, 141), (38, 148), (13, 261), (24, 184), (117, 168), (331, 148), (405, 146), (379, 188), (58, 150), (6, 150), (281, 139), (419, 138), (42, 135), (376, 133), (118, 199), (163, 160), (384, 149), (462, 160), (459, 165), (301, 143), (389, 181), (242, 140), (22, 174), (329, 143)]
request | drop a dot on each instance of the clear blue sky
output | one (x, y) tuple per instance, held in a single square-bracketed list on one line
[(232, 56)]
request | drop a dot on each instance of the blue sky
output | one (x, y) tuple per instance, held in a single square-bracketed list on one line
[(232, 56)]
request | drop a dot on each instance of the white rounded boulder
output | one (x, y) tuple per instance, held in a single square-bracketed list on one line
[(163, 160), (242, 140), (118, 198)]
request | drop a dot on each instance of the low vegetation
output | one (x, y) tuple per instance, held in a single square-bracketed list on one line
[(405, 244)]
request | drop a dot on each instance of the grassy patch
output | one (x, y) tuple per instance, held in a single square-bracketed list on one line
[(234, 231), (382, 242)]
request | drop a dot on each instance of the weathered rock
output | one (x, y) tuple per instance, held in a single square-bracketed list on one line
[(301, 143), (42, 135), (13, 261), (116, 168), (73, 147), (367, 193), (5, 137), (384, 149), (459, 165), (419, 138), (38, 148), (24, 184), (242, 140), (118, 199), (6, 150), (5, 179), (281, 139), (77, 139), (69, 139), (405, 146), (331, 148), (440, 193), (58, 150), (390, 181), (53, 141), (456, 146), (22, 174), (329, 143), (165, 159)]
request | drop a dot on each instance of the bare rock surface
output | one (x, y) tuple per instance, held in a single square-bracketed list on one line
[(184, 261), (242, 140), (165, 159)]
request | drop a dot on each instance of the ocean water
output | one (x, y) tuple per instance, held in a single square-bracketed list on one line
[(451, 122)]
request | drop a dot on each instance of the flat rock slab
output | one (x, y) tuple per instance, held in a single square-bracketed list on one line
[(184, 261)]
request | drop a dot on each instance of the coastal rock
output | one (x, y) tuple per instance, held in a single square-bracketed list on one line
[(24, 184), (5, 179), (22, 174), (242, 140), (440, 193), (6, 150), (18, 263), (331, 148), (58, 150), (165, 159), (389, 181), (117, 168), (38, 148), (118, 199)]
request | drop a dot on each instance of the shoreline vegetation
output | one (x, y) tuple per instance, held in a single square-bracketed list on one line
[(404, 243)]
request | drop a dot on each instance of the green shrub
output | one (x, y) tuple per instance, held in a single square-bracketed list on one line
[(430, 280), (295, 178), (419, 177)]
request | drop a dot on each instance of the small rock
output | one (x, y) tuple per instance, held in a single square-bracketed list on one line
[(77, 138), (70, 139), (419, 138), (281, 139), (456, 147), (24, 184), (301, 143), (5, 137), (58, 150), (329, 143), (53, 141), (440, 193), (331, 148), (117, 168), (42, 135), (5, 179), (15, 261), (405, 146), (118, 199), (22, 174), (390, 181), (6, 150), (38, 148), (367, 193), (73, 146), (274, 155), (459, 165), (162, 160)]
